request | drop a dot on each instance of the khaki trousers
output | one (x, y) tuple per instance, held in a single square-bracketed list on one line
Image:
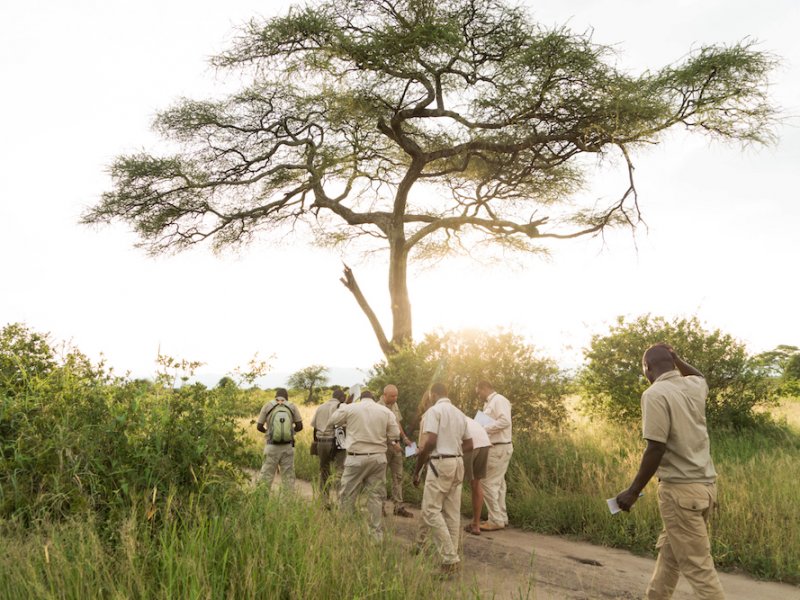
[(329, 456), (494, 484), (683, 545), (395, 467), (278, 457), (441, 507), (365, 474)]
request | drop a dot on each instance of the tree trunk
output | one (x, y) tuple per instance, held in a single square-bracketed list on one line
[(398, 294)]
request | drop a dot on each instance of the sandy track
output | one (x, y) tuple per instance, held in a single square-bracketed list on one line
[(517, 564)]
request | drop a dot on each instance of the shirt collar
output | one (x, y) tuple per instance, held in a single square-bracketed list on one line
[(440, 400), (668, 375)]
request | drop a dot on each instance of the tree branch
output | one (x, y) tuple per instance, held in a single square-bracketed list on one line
[(349, 281)]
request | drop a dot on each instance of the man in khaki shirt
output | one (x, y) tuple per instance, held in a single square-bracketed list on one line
[(368, 427), (497, 407), (678, 452), (278, 456), (446, 439), (326, 448), (394, 453)]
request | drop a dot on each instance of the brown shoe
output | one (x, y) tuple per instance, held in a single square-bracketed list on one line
[(489, 526), (472, 529), (402, 512)]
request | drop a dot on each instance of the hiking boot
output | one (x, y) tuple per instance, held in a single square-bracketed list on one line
[(489, 526), (402, 512)]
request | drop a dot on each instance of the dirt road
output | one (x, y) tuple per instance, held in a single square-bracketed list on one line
[(516, 564)]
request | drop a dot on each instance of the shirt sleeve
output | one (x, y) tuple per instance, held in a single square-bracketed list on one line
[(698, 382), (262, 416), (500, 410), (314, 419), (656, 420), (339, 416), (298, 418), (466, 435), (392, 428), (432, 419)]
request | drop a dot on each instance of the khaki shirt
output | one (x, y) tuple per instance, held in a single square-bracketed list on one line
[(674, 413), (368, 426), (498, 408), (321, 421), (450, 426), (395, 412)]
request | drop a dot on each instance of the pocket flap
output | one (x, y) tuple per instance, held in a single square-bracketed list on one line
[(697, 503)]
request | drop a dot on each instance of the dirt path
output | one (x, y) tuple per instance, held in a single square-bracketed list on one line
[(519, 564)]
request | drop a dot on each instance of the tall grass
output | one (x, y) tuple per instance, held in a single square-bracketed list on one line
[(260, 546), (558, 483)]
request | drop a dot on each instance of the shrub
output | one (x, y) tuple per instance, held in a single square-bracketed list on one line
[(75, 440), (533, 384), (612, 382)]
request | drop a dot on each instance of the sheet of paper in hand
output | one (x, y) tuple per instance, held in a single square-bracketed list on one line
[(483, 419), (411, 450), (613, 507)]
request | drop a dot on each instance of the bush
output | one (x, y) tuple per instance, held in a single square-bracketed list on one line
[(534, 385), (612, 382), (74, 440)]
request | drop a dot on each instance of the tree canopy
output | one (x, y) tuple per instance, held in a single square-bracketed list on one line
[(421, 126), (308, 379)]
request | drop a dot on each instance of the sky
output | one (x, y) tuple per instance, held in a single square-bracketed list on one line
[(82, 80)]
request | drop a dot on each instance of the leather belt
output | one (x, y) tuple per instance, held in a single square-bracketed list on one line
[(445, 456), (364, 453), (500, 443)]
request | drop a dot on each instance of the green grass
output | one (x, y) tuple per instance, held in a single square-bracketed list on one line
[(558, 484), (258, 546)]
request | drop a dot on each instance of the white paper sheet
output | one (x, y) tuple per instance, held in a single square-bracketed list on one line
[(613, 507), (411, 450), (483, 419)]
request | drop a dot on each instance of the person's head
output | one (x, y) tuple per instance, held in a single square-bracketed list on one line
[(656, 361), (367, 394), (390, 394), (484, 389), (281, 395), (438, 390), (338, 394)]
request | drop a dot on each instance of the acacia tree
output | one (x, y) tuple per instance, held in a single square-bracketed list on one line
[(426, 126), (309, 378)]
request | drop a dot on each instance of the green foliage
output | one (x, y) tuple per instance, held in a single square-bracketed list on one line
[(534, 385), (257, 546), (76, 441), (612, 381), (309, 379)]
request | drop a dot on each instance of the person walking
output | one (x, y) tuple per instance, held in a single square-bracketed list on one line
[(326, 447), (498, 408), (446, 437), (279, 419), (475, 463), (678, 453), (394, 453), (368, 426)]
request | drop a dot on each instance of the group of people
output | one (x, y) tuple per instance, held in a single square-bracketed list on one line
[(359, 437), (358, 440)]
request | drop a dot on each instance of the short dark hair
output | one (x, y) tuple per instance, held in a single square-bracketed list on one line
[(485, 384), (281, 393), (338, 394), (367, 394), (439, 389)]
